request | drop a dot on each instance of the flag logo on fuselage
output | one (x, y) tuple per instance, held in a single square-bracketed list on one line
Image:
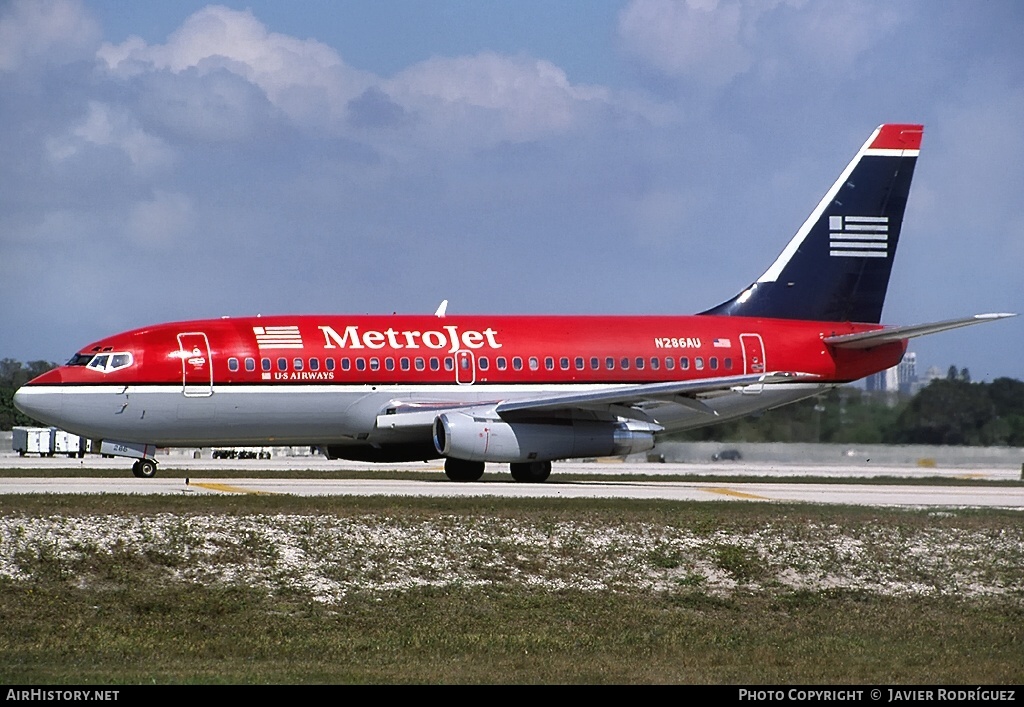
[(858, 236), (277, 337)]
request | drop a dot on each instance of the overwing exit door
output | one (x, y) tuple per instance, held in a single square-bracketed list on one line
[(465, 367)]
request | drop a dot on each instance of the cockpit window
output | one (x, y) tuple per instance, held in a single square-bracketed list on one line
[(80, 359), (107, 362)]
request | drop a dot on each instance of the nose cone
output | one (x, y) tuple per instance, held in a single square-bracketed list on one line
[(40, 402)]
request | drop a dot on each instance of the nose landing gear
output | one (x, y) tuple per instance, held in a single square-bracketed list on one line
[(144, 468)]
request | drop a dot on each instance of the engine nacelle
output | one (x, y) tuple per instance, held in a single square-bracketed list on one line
[(463, 436)]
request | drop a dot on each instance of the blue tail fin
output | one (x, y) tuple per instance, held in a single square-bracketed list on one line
[(836, 267)]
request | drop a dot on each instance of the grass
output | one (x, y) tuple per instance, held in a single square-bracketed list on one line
[(276, 589), (232, 635)]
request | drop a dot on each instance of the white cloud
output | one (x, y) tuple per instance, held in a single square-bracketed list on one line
[(468, 100), (46, 32), (713, 42), (493, 97), (109, 126), (304, 78), (702, 39)]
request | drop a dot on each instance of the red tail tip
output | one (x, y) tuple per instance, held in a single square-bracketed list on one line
[(898, 136)]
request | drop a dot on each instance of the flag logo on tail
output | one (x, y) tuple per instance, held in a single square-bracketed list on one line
[(858, 236)]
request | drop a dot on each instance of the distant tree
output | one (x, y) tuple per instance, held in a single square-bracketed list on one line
[(965, 375), (951, 374), (10, 370)]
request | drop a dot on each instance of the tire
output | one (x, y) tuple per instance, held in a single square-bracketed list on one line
[(531, 472), (462, 470), (144, 469)]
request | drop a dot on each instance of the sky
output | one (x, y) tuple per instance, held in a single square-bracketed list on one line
[(173, 161)]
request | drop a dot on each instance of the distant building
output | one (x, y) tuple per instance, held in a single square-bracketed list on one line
[(901, 378), (906, 373)]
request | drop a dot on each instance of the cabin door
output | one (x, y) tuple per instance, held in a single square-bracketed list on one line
[(196, 364), (753, 353)]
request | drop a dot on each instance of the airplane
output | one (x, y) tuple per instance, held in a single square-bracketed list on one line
[(521, 390)]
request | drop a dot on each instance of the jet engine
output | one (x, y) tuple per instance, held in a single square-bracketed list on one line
[(463, 436)]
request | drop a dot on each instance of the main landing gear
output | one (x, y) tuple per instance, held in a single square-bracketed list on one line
[(531, 472), (524, 473), (144, 468), (462, 470)]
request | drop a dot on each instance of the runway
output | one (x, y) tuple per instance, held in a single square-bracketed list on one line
[(769, 482), (856, 494)]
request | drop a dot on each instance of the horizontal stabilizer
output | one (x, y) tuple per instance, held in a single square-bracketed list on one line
[(867, 339)]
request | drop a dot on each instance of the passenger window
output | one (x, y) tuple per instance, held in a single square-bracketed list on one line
[(655, 363), (482, 363), (265, 363), (449, 363), (282, 364), (297, 363), (502, 363), (595, 363), (314, 364), (329, 364), (404, 363), (389, 363), (233, 364), (624, 363), (420, 364), (360, 364), (609, 363), (346, 364), (517, 363), (374, 364), (250, 364), (639, 363), (435, 363), (698, 363), (714, 363), (728, 364), (670, 363), (534, 363), (579, 363), (684, 363), (549, 363)]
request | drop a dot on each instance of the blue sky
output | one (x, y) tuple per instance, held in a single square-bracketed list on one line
[(165, 161)]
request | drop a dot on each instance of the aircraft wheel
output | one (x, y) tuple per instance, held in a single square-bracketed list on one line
[(144, 469), (462, 470), (531, 472)]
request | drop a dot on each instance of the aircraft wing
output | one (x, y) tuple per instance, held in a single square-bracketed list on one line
[(867, 339), (633, 401), (630, 395)]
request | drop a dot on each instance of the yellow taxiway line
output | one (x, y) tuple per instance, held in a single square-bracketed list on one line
[(227, 488), (738, 494)]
